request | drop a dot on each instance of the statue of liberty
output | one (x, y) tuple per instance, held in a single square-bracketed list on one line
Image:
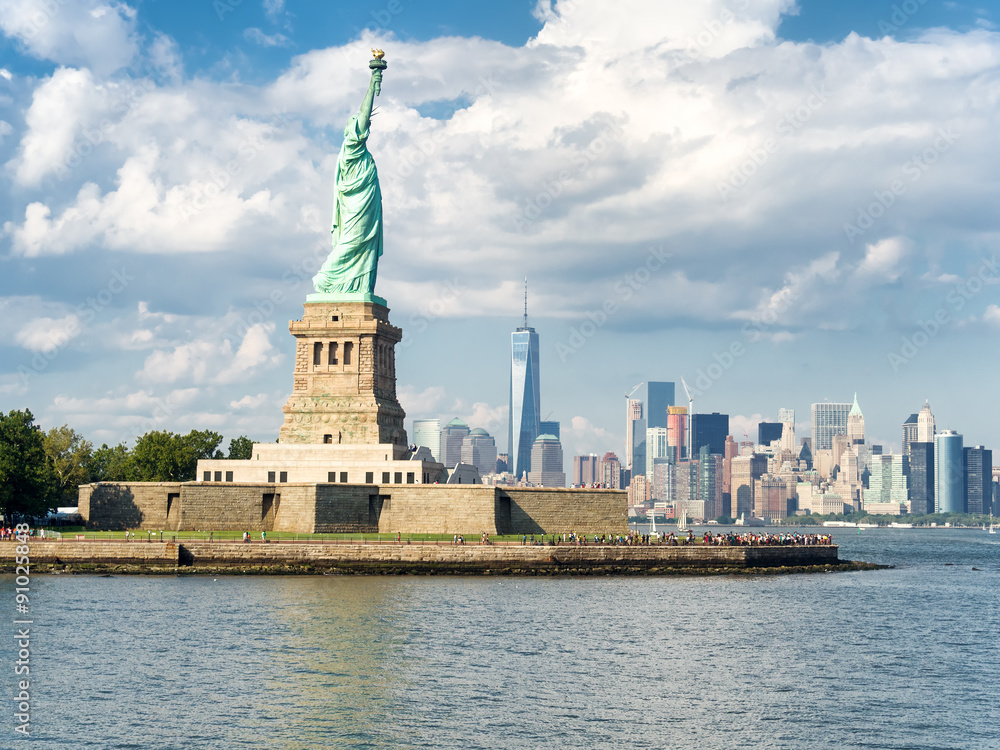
[(350, 269)]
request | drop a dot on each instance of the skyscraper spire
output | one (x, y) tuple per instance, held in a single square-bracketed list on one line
[(525, 301)]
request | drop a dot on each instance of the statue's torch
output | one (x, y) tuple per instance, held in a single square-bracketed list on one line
[(377, 63)]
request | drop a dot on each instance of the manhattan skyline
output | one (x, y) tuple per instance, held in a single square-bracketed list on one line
[(781, 204)]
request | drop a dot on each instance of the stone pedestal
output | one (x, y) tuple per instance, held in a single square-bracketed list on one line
[(344, 388)]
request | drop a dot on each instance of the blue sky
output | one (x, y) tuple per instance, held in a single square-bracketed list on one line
[(780, 202)]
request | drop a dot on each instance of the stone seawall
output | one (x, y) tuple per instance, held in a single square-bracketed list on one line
[(396, 557), (93, 552)]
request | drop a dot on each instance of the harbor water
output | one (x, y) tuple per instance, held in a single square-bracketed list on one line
[(897, 658)]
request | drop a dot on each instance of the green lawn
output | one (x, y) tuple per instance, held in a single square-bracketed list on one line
[(275, 536)]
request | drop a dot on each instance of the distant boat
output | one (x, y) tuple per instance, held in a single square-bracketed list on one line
[(993, 527), (682, 522)]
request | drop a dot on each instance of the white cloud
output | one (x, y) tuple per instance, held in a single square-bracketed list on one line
[(98, 35), (581, 437), (251, 402), (274, 8), (883, 261), (166, 57), (212, 360), (48, 334), (743, 427), (257, 36), (992, 315), (60, 106)]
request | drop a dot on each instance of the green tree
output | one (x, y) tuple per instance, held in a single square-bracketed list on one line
[(161, 456), (111, 464), (28, 485), (70, 456), (241, 448)]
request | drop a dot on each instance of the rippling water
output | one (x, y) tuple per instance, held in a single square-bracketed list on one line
[(902, 658)]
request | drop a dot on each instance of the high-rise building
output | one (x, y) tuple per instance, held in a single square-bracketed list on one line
[(888, 482), (710, 483), (659, 486), (711, 430), (549, 428), (657, 397), (828, 420), (427, 434), (921, 478), (638, 446), (855, 423), (452, 437), (978, 479), (771, 495), (768, 432), (925, 424), (684, 494), (656, 447), (949, 473), (547, 462), (909, 433), (633, 413), (638, 490), (746, 470), (732, 450), (677, 430), (611, 472), (525, 405), (787, 419), (480, 450), (586, 470), (503, 463)]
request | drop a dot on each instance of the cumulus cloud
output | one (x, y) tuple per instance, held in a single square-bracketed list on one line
[(568, 159), (48, 334), (992, 315), (883, 261), (211, 360), (95, 34), (580, 437)]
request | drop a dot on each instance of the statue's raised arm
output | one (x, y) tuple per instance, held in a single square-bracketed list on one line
[(350, 270)]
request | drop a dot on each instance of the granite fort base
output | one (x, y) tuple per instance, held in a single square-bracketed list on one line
[(317, 508)]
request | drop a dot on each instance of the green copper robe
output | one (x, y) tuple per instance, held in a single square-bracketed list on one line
[(357, 218)]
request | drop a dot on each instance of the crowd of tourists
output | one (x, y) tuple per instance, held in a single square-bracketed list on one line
[(671, 539)]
